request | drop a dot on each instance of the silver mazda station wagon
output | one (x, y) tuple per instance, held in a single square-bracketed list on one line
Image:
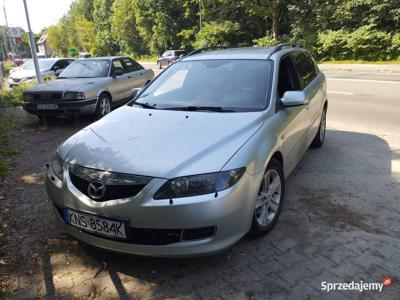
[(198, 159)]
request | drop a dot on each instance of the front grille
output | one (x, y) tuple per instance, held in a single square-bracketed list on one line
[(158, 237), (117, 185), (112, 191), (16, 79), (51, 96)]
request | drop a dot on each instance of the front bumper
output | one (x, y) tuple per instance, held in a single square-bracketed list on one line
[(230, 213), (13, 83), (87, 106)]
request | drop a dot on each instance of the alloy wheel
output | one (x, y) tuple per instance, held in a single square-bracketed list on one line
[(268, 198), (105, 106)]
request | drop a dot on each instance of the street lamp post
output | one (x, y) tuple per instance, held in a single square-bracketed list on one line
[(33, 46), (201, 25)]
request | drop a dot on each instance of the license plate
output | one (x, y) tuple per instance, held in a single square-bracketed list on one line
[(96, 224), (46, 106)]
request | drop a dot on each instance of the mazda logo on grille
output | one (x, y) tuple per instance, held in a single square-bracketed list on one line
[(96, 189)]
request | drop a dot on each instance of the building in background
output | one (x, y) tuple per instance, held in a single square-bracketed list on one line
[(44, 47)]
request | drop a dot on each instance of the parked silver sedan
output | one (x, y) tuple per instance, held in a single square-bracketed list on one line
[(200, 157), (88, 86)]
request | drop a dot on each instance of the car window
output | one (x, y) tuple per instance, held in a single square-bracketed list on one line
[(166, 53), (305, 68), (178, 53), (131, 65), (117, 64), (61, 64), (238, 85), (87, 68), (287, 79)]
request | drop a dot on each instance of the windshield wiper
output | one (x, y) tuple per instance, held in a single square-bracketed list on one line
[(200, 108), (144, 105)]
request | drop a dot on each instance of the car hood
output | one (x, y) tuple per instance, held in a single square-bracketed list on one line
[(21, 73), (70, 84), (161, 143)]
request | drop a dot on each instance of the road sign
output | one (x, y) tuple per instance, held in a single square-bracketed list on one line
[(15, 32)]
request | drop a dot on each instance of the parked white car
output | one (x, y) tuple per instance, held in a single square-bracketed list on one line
[(49, 69)]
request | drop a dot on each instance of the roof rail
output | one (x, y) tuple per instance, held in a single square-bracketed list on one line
[(280, 47), (205, 48)]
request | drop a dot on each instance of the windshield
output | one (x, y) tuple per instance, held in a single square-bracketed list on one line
[(44, 64), (87, 69), (235, 85)]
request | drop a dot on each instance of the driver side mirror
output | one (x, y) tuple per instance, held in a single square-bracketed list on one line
[(136, 92), (294, 98), (118, 72)]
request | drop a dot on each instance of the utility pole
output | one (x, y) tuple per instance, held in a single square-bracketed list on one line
[(33, 45), (201, 25), (8, 29)]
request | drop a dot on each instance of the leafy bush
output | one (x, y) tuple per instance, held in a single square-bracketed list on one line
[(225, 33), (264, 41), (395, 49), (332, 45), (13, 96), (364, 43), (368, 44)]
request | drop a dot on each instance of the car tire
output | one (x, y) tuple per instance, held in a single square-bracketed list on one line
[(103, 106), (269, 201), (320, 136), (159, 65)]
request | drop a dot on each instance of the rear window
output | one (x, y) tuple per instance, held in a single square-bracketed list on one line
[(305, 66)]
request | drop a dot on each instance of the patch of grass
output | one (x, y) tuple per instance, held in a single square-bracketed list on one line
[(13, 96), (377, 62), (147, 59), (6, 68), (3, 168), (6, 149)]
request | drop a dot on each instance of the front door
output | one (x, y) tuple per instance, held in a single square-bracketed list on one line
[(296, 118)]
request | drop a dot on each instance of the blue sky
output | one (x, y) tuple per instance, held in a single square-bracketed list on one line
[(42, 13)]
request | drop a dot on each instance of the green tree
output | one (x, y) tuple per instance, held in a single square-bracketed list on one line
[(124, 29), (104, 43)]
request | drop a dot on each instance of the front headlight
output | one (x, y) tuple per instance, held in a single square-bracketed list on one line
[(195, 185), (57, 165), (74, 96)]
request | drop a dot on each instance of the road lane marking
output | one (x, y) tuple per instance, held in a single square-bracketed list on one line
[(341, 93), (363, 80)]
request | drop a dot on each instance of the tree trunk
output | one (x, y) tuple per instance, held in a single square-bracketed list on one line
[(275, 19)]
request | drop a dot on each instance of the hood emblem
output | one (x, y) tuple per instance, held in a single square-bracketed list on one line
[(96, 189)]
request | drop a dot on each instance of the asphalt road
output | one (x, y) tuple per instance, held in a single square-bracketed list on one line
[(340, 220)]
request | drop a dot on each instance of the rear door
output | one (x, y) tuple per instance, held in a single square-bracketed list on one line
[(312, 85), (135, 73)]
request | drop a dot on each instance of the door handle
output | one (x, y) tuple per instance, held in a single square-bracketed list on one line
[(129, 77)]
